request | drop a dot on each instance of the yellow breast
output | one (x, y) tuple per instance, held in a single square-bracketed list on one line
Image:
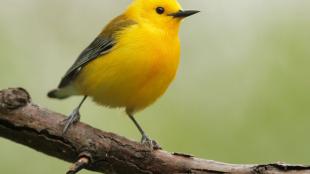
[(136, 72)]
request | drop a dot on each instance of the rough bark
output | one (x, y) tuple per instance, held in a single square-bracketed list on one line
[(41, 129)]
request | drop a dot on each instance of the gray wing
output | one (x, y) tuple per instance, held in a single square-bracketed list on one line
[(98, 47)]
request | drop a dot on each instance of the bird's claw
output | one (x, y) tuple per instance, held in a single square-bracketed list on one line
[(72, 119), (152, 144)]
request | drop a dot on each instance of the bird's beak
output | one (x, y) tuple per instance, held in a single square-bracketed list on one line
[(183, 14)]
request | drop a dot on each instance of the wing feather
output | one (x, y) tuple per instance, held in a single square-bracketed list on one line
[(100, 46)]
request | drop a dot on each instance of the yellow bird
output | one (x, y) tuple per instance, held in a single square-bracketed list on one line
[(130, 63)]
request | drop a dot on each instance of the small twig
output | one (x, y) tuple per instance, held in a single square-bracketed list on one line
[(82, 163)]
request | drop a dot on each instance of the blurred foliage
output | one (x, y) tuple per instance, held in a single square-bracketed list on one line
[(241, 95)]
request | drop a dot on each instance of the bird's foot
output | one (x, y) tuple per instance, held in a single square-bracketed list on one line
[(152, 144), (72, 119)]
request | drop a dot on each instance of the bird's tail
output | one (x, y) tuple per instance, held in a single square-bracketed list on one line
[(62, 93)]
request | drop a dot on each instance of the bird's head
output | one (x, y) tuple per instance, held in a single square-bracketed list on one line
[(165, 14)]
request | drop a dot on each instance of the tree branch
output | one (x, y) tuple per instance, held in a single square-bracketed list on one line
[(41, 129)]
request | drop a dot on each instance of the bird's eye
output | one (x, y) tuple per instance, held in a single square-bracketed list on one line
[(160, 10)]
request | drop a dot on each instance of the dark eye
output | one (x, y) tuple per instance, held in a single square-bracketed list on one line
[(160, 10)]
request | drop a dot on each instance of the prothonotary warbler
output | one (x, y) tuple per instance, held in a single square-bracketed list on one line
[(130, 63)]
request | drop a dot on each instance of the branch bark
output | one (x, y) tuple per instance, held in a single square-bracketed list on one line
[(41, 129)]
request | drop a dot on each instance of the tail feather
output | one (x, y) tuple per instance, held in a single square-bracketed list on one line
[(56, 93), (61, 93)]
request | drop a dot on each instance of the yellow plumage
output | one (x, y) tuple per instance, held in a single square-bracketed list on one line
[(138, 70), (132, 61)]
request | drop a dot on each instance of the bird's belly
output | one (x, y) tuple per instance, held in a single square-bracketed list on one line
[(130, 79)]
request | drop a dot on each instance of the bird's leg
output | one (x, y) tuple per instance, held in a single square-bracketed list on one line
[(145, 139), (73, 117)]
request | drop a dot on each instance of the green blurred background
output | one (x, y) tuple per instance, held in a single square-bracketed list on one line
[(242, 93)]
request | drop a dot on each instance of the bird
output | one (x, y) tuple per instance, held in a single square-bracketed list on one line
[(130, 64)]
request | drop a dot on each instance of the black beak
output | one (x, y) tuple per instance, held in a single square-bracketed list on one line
[(183, 14)]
